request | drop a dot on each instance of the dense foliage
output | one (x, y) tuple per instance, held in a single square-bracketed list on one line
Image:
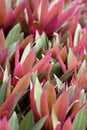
[(43, 64)]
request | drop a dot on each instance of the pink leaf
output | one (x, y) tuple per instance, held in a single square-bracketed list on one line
[(18, 71), (44, 104), (2, 39), (42, 64), (33, 105), (9, 21), (67, 125), (51, 96), (61, 106), (28, 62), (2, 11), (8, 104), (58, 127), (18, 11), (52, 14), (22, 84), (67, 14), (82, 82), (4, 124)]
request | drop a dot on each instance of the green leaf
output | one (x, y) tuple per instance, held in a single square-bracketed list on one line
[(66, 76), (70, 55), (40, 42), (56, 39), (18, 2), (21, 37), (2, 92), (8, 4), (5, 77), (80, 120), (54, 119), (39, 124), (59, 82), (82, 68), (11, 50), (37, 94), (55, 70), (71, 91), (83, 97), (76, 36), (12, 37), (25, 53), (13, 122), (28, 122)]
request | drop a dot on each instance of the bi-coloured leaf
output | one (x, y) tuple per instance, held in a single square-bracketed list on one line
[(80, 120), (13, 122), (22, 85)]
